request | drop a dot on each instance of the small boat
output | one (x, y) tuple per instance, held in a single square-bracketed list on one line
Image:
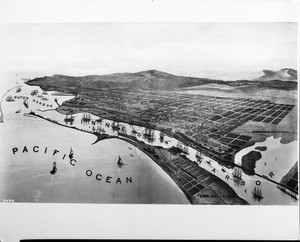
[(71, 154), (54, 169), (9, 99), (120, 162), (56, 101), (34, 92), (25, 103)]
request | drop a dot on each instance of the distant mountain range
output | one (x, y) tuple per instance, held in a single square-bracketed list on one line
[(158, 80), (286, 74), (226, 76)]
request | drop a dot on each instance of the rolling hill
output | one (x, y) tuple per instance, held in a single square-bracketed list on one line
[(146, 80), (285, 79)]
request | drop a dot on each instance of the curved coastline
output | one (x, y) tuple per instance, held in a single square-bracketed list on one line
[(235, 199), (1, 113), (129, 140)]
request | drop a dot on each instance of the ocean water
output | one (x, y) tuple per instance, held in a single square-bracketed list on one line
[(25, 176)]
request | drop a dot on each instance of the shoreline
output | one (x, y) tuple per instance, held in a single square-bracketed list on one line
[(224, 159), (112, 116), (148, 150)]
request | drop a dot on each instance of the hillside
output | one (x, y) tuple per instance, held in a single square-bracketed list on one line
[(147, 80), (158, 80)]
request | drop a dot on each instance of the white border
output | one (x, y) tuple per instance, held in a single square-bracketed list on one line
[(23, 221)]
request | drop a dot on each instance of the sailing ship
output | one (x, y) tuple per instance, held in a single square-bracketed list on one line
[(99, 120), (133, 130), (25, 102), (149, 135), (34, 92), (115, 126), (32, 113), (257, 194), (54, 169), (237, 173), (69, 119), (71, 154), (9, 99), (19, 89), (100, 130), (86, 118), (123, 129), (120, 162), (161, 137)]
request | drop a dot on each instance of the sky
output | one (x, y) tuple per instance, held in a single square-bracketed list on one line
[(177, 48)]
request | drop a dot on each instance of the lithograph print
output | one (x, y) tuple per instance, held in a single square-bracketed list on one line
[(153, 113)]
